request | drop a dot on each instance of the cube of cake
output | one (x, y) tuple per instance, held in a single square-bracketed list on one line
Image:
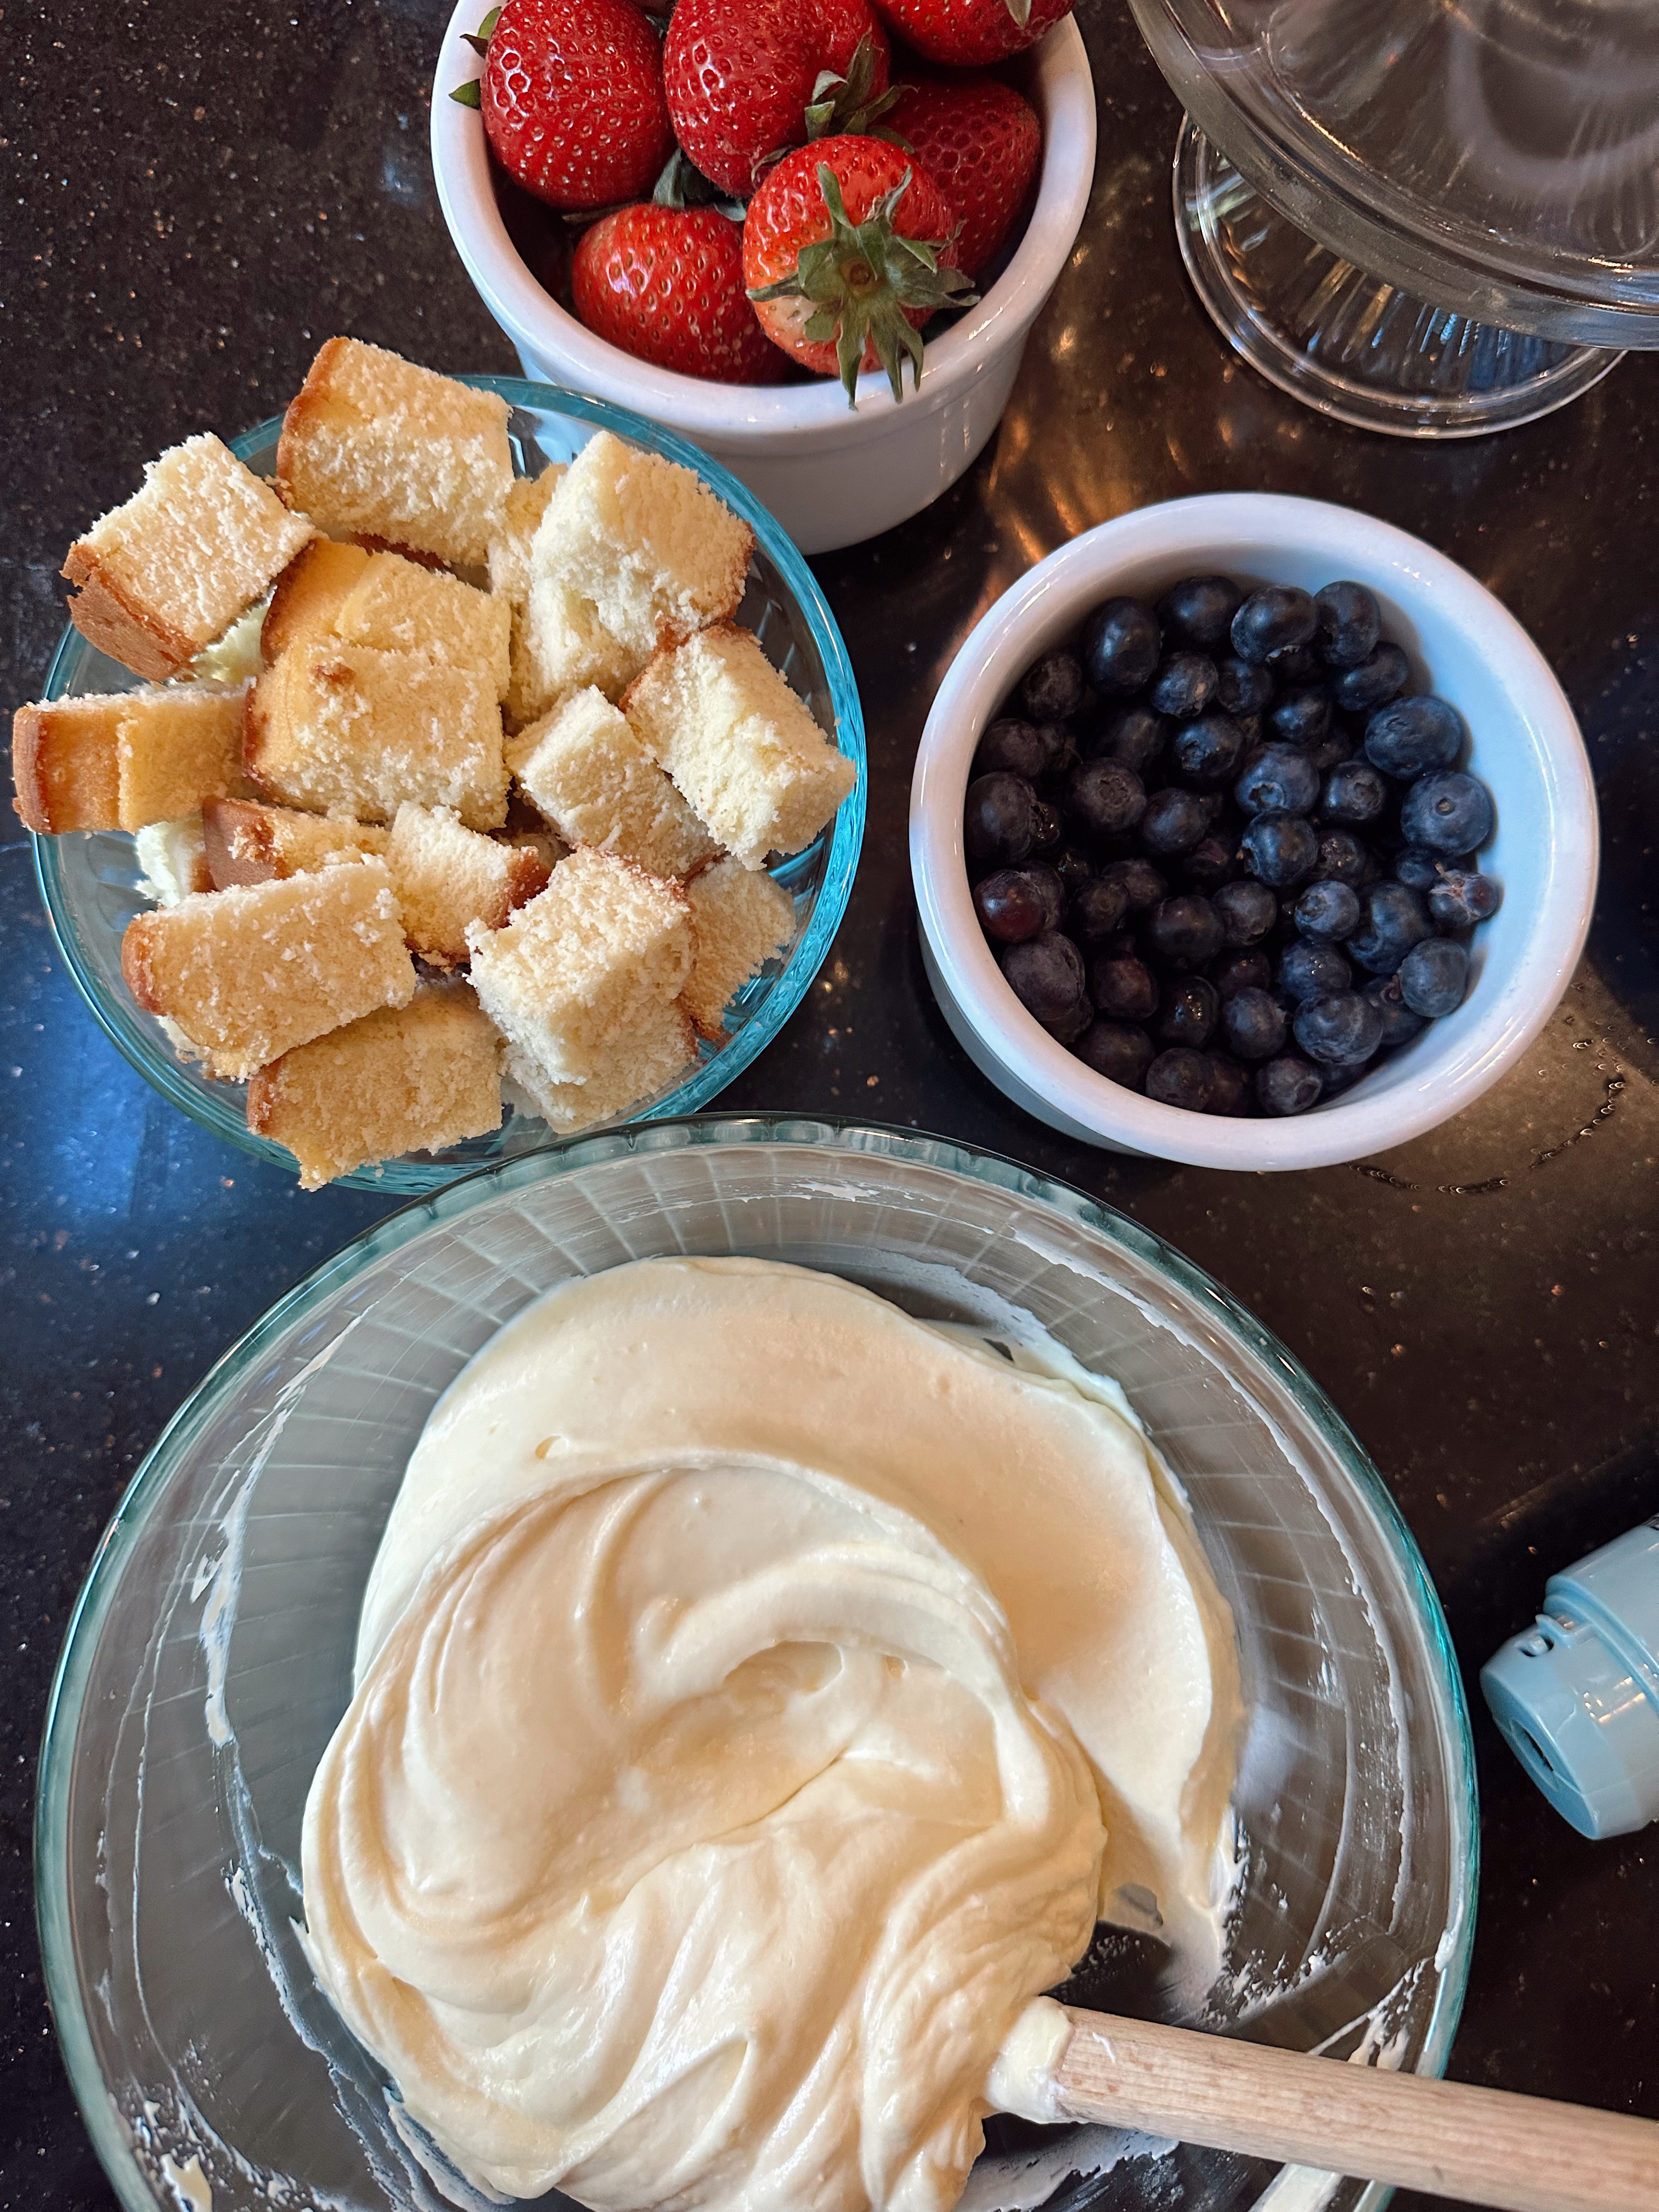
[(588, 773), (125, 759), (246, 842), (562, 647), (309, 593), (509, 553), (645, 542), (359, 730), (401, 607), (574, 972), (172, 859), (738, 743), (741, 919), (169, 572), (248, 974), (658, 1046), (373, 446), (402, 1079), (449, 880)]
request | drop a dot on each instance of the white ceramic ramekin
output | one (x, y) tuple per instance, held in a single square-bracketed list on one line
[(1462, 645), (832, 475)]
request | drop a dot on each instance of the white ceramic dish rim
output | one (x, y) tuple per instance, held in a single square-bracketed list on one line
[(761, 414), (1058, 590), (1289, 2188)]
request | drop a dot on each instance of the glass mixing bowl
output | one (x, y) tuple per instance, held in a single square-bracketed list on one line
[(210, 1657), (90, 883)]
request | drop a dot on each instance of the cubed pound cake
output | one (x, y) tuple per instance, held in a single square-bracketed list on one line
[(403, 1079), (509, 553), (717, 715), (357, 729), (126, 759), (401, 607), (741, 919), (449, 880), (169, 572), (376, 447), (657, 1049), (633, 553), (585, 770), (246, 842), (246, 975), (573, 973), (309, 593)]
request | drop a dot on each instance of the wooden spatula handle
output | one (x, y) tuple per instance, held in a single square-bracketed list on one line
[(1522, 2153)]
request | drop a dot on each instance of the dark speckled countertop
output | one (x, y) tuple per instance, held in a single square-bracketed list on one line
[(194, 198)]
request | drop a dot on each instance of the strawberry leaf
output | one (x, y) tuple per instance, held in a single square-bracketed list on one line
[(468, 94), (479, 40), (850, 103), (682, 185)]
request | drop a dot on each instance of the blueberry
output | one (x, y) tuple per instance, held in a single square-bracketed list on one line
[(999, 818), (1278, 780), (1354, 793), (1175, 821), (1399, 1022), (1012, 905), (1340, 1027), (1103, 798), (1281, 848), (1287, 1085), (1301, 716), (1448, 813), (1117, 1050), (1186, 931), (1342, 860), (1253, 1022), (1230, 1089), (1350, 624), (1123, 988), (1068, 1027), (1097, 908), (1134, 737), (1336, 745), (1210, 863), (1073, 868), (1207, 751), (1247, 910), (1241, 971), (1411, 735), (1394, 920), (1059, 748), (1052, 688), (1199, 610), (1180, 1077), (1121, 642), (1242, 688), (1012, 748), (1183, 686), (1309, 968), (1275, 619), (1046, 975), (1373, 682), (1142, 883), (1433, 978), (1191, 1008), (1294, 664), (1463, 897), (1418, 867), (1327, 910)]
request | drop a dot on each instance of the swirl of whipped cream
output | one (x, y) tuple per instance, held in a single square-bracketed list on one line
[(747, 1685)]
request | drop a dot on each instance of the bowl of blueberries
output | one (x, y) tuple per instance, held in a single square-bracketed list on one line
[(1249, 831)]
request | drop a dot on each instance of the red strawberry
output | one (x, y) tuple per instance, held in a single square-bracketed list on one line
[(742, 75), (979, 143), (573, 100), (847, 248), (970, 32), (666, 285)]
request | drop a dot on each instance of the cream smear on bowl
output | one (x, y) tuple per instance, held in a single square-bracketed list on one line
[(759, 1694)]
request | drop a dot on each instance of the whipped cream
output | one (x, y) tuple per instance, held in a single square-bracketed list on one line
[(759, 1695)]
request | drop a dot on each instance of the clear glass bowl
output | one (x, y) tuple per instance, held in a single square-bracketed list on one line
[(209, 1656), (90, 883)]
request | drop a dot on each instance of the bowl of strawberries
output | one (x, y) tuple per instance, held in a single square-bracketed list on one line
[(809, 236)]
